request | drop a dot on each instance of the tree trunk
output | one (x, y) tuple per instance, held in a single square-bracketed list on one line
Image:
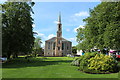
[(15, 55), (8, 54)]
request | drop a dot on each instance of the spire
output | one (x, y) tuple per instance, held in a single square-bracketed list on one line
[(59, 18)]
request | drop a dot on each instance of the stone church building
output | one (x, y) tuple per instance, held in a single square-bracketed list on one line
[(58, 46)]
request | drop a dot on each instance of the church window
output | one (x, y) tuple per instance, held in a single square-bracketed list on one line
[(49, 45), (58, 48), (67, 47), (59, 42), (54, 46), (62, 46), (62, 54)]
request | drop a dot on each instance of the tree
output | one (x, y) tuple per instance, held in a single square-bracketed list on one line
[(74, 50), (17, 34), (102, 27), (37, 46)]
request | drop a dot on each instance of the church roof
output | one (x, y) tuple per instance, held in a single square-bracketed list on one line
[(54, 38)]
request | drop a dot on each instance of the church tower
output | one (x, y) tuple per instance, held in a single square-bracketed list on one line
[(58, 48)]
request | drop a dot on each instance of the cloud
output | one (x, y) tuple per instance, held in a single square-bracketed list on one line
[(33, 25), (72, 39), (43, 44), (67, 30), (56, 22), (76, 16), (40, 34), (75, 29), (50, 36), (83, 13)]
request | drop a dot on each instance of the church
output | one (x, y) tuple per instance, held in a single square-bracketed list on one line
[(58, 46)]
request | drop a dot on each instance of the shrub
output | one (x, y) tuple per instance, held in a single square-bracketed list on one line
[(76, 62), (84, 60), (96, 63), (102, 64)]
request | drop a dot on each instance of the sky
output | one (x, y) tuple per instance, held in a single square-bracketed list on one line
[(72, 14)]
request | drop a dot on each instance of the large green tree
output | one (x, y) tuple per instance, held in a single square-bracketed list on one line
[(102, 27), (17, 33)]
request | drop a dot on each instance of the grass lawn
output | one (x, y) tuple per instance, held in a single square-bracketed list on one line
[(46, 67)]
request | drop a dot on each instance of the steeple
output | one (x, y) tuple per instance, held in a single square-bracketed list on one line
[(59, 26), (59, 18)]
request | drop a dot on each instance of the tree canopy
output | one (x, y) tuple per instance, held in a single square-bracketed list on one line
[(17, 33), (102, 27)]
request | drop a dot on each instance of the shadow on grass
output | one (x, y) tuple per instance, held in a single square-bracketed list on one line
[(32, 62)]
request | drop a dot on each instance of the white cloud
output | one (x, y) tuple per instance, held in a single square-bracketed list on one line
[(83, 13), (43, 44), (72, 39), (75, 29), (33, 25), (40, 34), (56, 22), (68, 30), (76, 16), (50, 36)]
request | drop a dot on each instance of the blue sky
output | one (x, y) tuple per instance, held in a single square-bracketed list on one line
[(72, 14)]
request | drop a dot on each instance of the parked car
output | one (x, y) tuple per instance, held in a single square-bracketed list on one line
[(3, 59), (118, 54), (114, 53)]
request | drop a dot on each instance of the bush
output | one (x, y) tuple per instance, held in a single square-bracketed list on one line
[(76, 62), (84, 60), (96, 63), (102, 64)]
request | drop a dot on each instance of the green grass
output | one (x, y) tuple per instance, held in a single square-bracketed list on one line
[(46, 67)]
